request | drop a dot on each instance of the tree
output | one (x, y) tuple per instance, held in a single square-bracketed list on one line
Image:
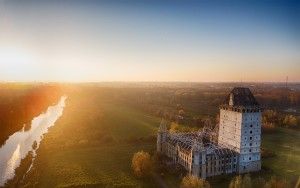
[(276, 183), (181, 112), (290, 121), (247, 183), (141, 164), (241, 182), (236, 182), (268, 127), (193, 182)]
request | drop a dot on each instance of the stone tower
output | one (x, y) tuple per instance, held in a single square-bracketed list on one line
[(240, 128), (161, 136)]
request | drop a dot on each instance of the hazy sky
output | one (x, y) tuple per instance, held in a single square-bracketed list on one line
[(89, 40)]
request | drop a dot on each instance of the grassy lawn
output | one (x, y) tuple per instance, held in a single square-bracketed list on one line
[(93, 144), (285, 143), (107, 165)]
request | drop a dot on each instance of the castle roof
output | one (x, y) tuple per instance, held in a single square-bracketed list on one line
[(193, 140), (242, 97)]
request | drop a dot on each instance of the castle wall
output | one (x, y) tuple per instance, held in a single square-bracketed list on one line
[(230, 129), (217, 165), (251, 141), (241, 131)]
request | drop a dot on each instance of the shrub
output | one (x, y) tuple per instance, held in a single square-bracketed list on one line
[(276, 183), (241, 182), (193, 182), (290, 121), (141, 164), (268, 127)]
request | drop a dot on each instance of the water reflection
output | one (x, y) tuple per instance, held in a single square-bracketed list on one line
[(20, 143)]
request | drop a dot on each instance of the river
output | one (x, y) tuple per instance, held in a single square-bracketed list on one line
[(18, 145)]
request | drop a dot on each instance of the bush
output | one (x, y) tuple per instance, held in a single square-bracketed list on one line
[(142, 164), (193, 182), (276, 183), (241, 182), (268, 127), (290, 121)]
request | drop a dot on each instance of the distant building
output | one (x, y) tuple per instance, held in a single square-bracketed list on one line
[(237, 149)]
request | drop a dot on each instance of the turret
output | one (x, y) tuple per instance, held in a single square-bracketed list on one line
[(197, 149), (162, 136)]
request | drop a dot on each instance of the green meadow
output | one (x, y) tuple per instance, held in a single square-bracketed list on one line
[(92, 145), (285, 143)]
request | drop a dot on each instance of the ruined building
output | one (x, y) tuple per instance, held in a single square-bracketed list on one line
[(237, 149)]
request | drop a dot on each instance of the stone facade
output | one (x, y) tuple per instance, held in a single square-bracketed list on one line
[(238, 146)]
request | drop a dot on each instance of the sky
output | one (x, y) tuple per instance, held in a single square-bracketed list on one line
[(144, 40)]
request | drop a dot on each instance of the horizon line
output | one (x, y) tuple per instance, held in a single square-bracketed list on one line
[(82, 82)]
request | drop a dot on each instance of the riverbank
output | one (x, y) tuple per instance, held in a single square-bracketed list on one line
[(92, 144), (26, 142), (19, 103)]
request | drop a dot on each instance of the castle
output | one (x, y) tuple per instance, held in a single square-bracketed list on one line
[(237, 149)]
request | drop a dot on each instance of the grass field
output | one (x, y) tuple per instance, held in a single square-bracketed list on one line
[(285, 143), (93, 143)]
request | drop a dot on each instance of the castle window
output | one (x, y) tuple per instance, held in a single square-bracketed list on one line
[(250, 137), (251, 125), (249, 150), (250, 144), (249, 158), (250, 132)]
